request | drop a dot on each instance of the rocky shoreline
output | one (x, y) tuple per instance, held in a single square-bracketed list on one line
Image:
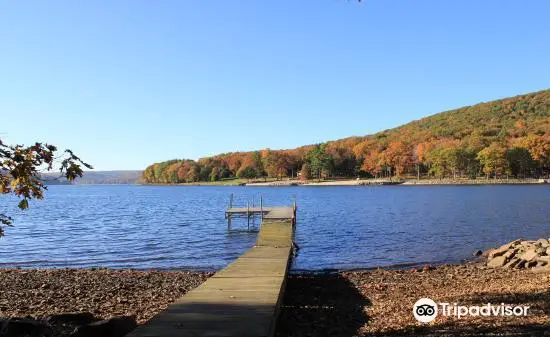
[(519, 254)]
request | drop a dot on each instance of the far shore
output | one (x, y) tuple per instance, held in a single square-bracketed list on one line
[(374, 302), (364, 182), (370, 182)]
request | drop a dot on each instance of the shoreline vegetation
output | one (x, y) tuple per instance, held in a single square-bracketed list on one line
[(363, 182), (374, 302), (505, 138)]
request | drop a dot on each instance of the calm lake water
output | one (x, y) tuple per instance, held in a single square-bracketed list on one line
[(338, 227)]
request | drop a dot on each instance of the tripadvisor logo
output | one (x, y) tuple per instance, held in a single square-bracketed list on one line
[(425, 310)]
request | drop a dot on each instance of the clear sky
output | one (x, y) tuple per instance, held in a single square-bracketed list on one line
[(128, 83)]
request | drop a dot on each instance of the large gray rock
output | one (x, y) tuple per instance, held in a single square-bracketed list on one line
[(529, 255), (499, 251), (113, 327), (527, 242), (496, 262), (543, 243)]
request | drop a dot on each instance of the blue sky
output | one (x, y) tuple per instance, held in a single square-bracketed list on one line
[(128, 83)]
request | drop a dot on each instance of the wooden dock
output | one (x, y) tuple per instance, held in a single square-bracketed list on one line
[(242, 299), (275, 213)]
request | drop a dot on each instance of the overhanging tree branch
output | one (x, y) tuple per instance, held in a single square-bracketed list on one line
[(20, 168)]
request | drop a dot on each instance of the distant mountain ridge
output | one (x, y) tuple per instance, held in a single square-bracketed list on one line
[(97, 177)]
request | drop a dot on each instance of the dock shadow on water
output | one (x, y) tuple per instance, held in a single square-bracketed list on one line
[(321, 305)]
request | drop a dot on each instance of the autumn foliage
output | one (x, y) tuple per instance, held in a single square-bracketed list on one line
[(21, 168), (507, 137)]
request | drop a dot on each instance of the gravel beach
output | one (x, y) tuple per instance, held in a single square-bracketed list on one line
[(105, 293), (366, 303), (379, 302)]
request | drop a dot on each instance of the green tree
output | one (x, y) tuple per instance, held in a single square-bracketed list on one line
[(318, 160), (20, 168), (437, 162), (247, 172), (519, 162), (456, 160), (205, 173), (472, 163)]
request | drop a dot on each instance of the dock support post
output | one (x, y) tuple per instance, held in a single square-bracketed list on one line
[(228, 213), (294, 210), (248, 214), (262, 207)]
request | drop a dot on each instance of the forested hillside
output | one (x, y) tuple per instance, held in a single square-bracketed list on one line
[(506, 137)]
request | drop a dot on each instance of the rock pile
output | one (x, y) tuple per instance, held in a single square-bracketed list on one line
[(520, 254)]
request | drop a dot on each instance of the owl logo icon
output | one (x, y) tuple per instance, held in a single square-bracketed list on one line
[(425, 310)]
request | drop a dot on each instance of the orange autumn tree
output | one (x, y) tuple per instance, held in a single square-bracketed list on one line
[(368, 153), (251, 166), (539, 148), (399, 156), (420, 155)]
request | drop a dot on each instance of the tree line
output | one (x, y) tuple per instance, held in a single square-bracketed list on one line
[(503, 138)]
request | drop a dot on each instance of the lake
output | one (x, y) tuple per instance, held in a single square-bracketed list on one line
[(183, 227)]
